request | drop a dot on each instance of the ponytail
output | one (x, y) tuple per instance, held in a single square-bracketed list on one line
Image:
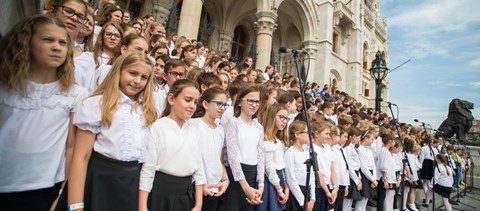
[(446, 169)]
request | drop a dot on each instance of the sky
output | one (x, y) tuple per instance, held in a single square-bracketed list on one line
[(442, 39)]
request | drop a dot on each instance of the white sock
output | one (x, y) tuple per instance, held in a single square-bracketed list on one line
[(447, 204), (347, 204)]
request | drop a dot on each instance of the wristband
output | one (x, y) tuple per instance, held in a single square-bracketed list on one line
[(261, 185), (60, 192), (76, 206), (280, 190), (226, 180)]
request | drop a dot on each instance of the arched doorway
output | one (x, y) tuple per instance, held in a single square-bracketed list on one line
[(239, 43)]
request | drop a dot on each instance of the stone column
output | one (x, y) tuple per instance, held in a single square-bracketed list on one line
[(161, 11), (311, 47), (226, 39), (264, 26), (190, 18)]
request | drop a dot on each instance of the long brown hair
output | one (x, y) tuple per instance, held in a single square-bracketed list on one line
[(245, 91), (295, 127), (98, 47), (443, 160), (177, 87), (269, 125), (15, 48), (110, 90)]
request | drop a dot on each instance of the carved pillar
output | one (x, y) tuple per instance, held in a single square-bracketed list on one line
[(190, 18), (311, 47), (226, 39), (264, 26)]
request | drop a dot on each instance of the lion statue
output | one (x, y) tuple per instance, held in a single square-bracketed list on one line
[(459, 120)]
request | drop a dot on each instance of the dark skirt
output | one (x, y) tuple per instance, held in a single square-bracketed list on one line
[(353, 193), (235, 198), (427, 169), (338, 205), (292, 203), (367, 190), (211, 203), (321, 202), (170, 193), (442, 190), (270, 195), (111, 184)]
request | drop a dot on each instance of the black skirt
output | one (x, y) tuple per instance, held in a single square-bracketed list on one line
[(292, 203), (111, 184), (235, 198), (442, 190), (427, 169), (367, 190), (170, 193), (353, 193)]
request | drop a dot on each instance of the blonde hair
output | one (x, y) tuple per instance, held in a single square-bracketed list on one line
[(15, 64), (269, 125), (296, 127), (110, 90)]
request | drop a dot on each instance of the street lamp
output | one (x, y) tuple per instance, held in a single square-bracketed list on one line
[(379, 71)]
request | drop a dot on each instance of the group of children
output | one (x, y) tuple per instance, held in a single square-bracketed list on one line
[(122, 136)]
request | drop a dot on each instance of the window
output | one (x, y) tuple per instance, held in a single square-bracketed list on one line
[(239, 43), (364, 55), (134, 6), (366, 91), (335, 42)]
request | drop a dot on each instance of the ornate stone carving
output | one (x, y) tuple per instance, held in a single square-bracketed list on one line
[(265, 27)]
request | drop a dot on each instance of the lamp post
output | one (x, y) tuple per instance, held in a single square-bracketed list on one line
[(379, 71)]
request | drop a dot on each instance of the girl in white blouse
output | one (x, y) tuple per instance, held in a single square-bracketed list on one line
[(386, 174), (351, 155), (339, 137), (244, 140), (174, 158), (112, 137), (276, 192), (443, 181), (368, 171), (296, 170), (37, 101), (327, 192), (212, 104), (411, 177)]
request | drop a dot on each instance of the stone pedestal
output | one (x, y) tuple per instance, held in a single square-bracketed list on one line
[(226, 39), (264, 26)]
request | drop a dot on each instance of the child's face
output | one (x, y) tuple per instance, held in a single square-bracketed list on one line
[(324, 136), (250, 103), (48, 46), (303, 137), (343, 138), (111, 37), (355, 139), (281, 119), (215, 107), (224, 79), (133, 79), (272, 98), (184, 104)]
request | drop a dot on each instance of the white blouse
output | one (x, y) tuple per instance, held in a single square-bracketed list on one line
[(296, 173), (340, 166), (367, 163), (174, 151), (324, 163), (353, 161), (102, 73), (441, 177), (426, 153), (413, 167), (274, 160), (85, 71), (33, 131), (386, 163), (126, 139), (211, 142), (244, 145)]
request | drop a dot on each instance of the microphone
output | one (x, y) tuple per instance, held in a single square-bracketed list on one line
[(416, 120), (390, 103), (288, 50)]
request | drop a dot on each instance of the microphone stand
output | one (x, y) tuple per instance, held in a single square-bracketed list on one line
[(404, 161), (429, 140), (312, 160)]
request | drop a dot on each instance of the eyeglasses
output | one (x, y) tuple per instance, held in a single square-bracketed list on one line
[(284, 118), (252, 102), (176, 74), (220, 104), (69, 12), (112, 35)]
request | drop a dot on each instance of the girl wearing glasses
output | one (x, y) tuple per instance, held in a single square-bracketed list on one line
[(174, 158), (108, 42), (296, 170), (112, 137), (276, 192), (212, 104), (37, 101), (244, 142)]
